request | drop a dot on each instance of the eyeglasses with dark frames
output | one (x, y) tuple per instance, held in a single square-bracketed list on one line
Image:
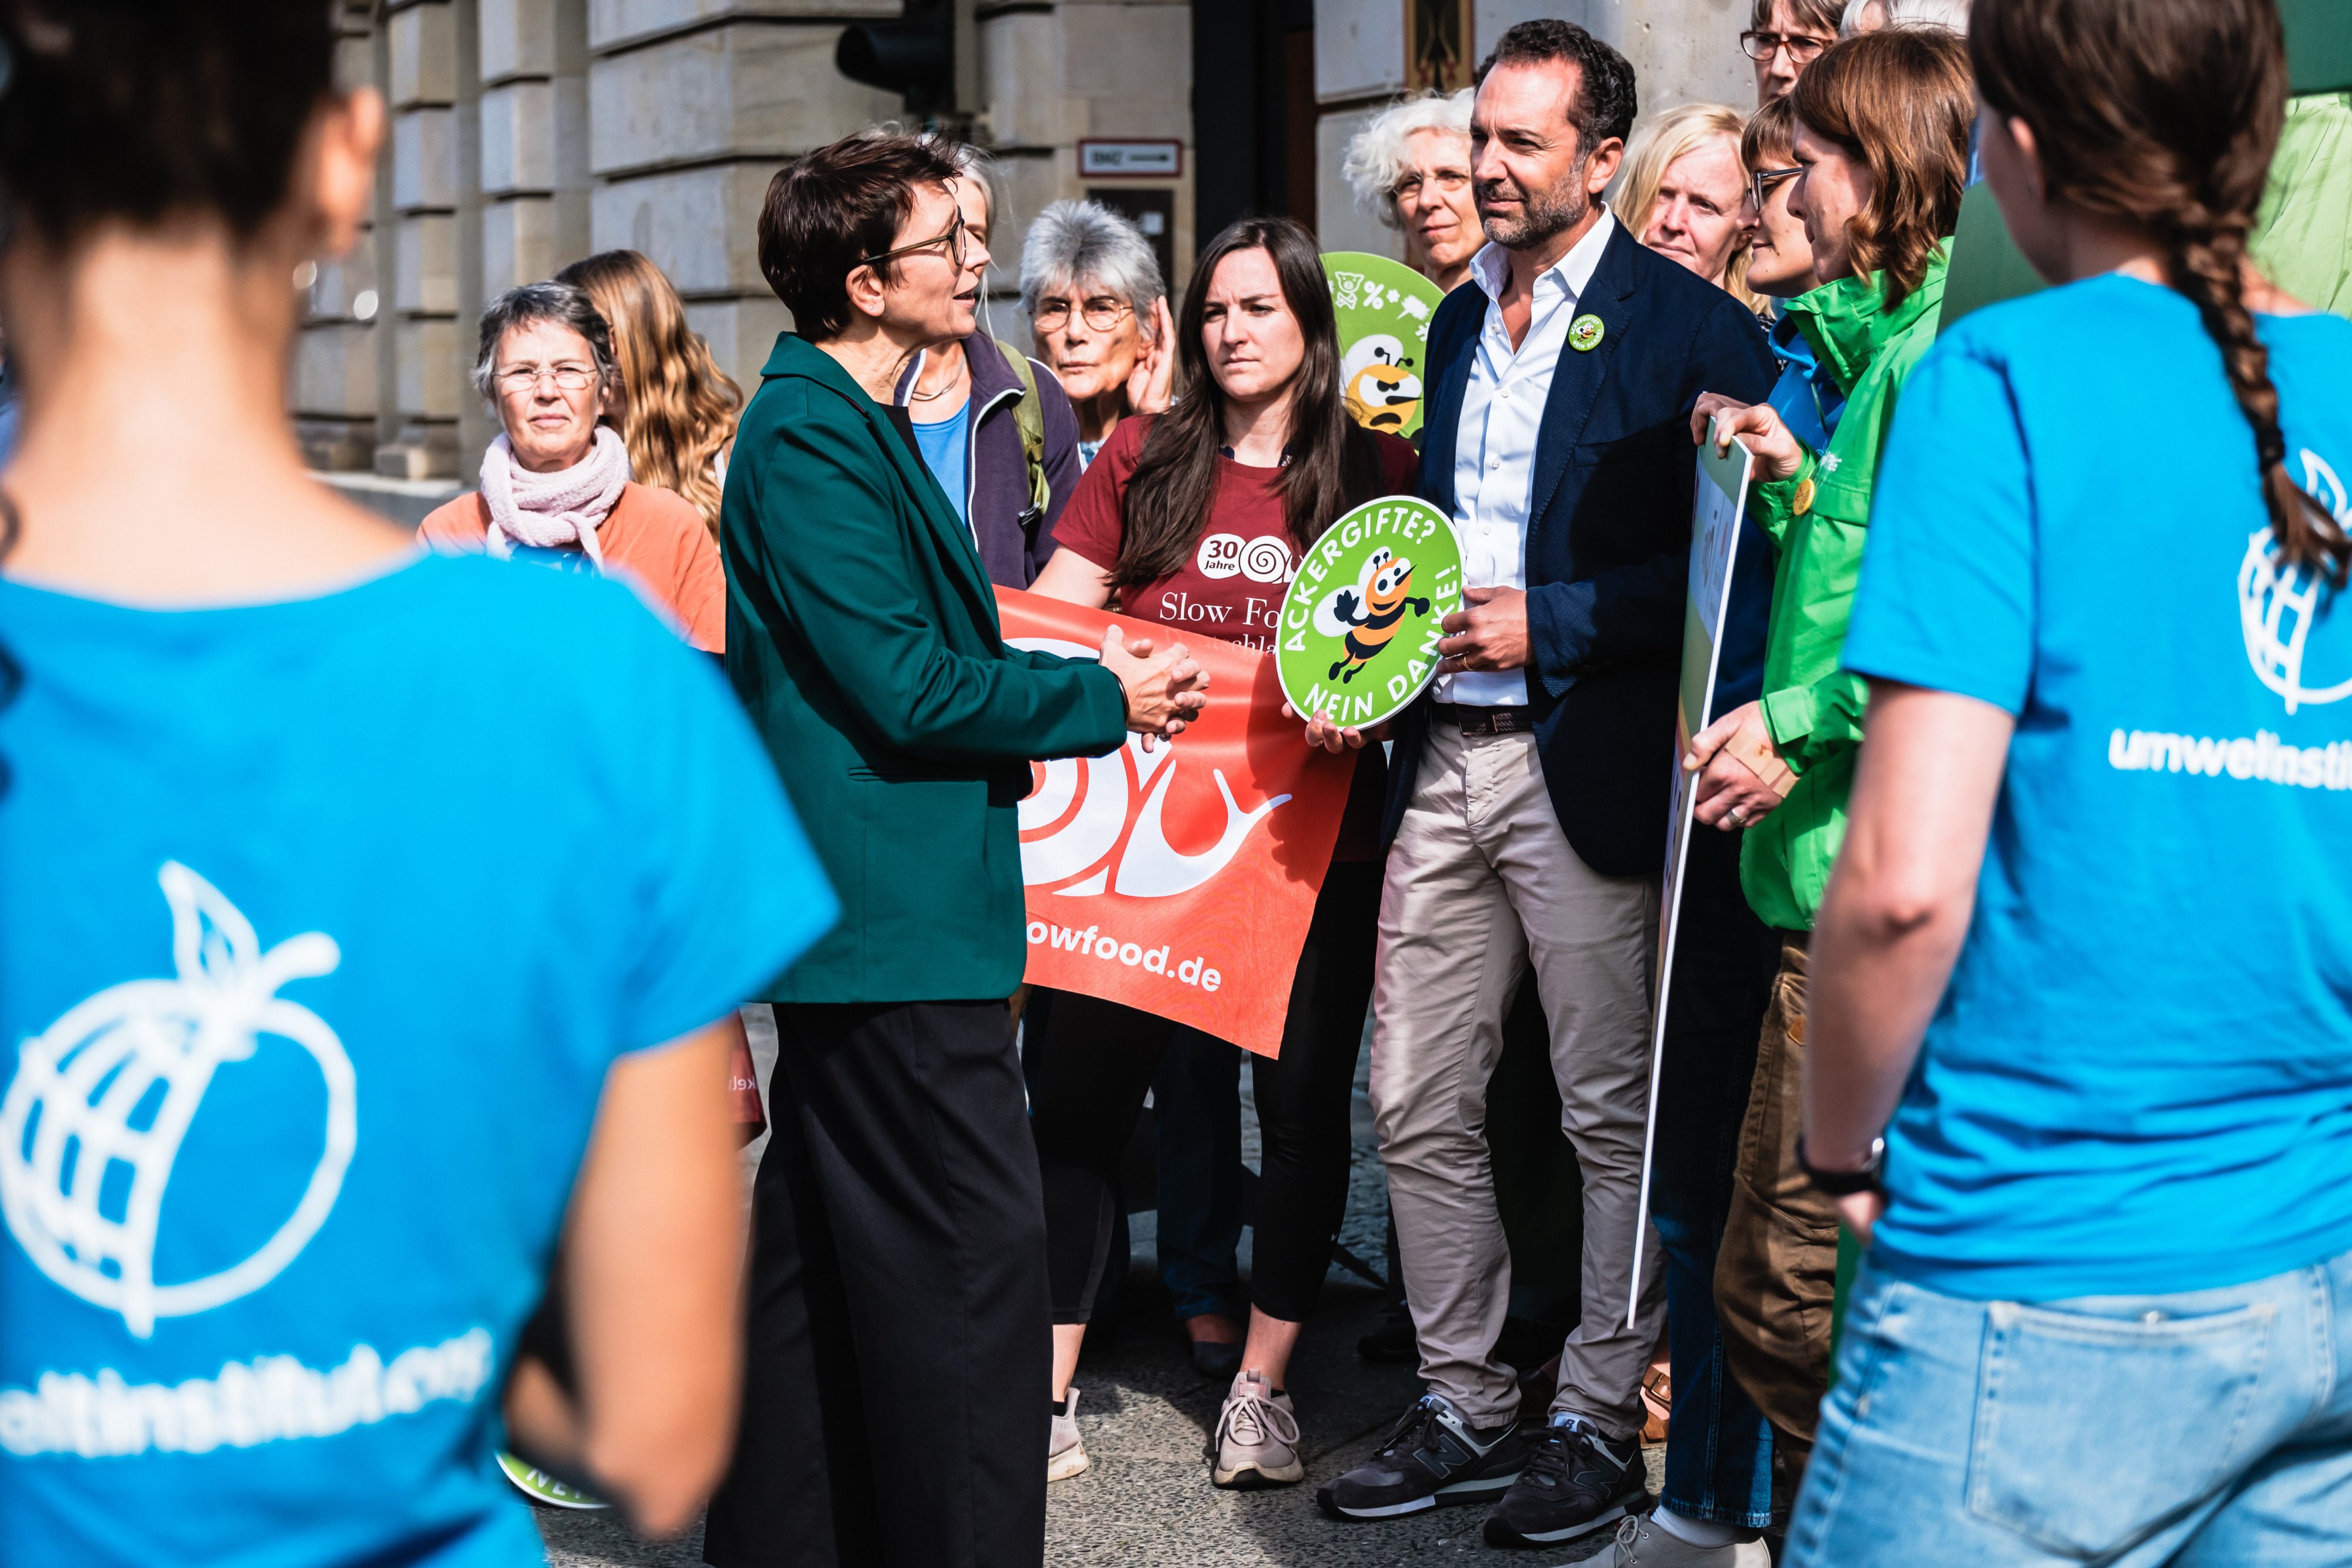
[(1803, 49), (1763, 180), (952, 239)]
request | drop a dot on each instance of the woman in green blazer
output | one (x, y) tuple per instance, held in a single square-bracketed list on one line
[(898, 1296)]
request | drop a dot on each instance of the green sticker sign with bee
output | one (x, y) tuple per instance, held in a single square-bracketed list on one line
[(1361, 622)]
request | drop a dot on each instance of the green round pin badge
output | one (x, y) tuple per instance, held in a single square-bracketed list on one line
[(1360, 622), (1584, 332)]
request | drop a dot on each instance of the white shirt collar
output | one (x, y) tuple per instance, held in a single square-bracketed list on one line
[(1571, 272)]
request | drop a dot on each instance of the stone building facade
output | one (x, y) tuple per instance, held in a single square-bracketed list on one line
[(526, 133)]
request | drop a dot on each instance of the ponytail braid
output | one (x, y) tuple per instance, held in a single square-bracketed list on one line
[(2165, 115), (2209, 264)]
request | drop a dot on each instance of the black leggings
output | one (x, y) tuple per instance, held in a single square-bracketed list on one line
[(1098, 1058)]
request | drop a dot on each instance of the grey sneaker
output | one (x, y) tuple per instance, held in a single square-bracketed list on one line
[(1642, 1543), (1065, 1455), (1256, 1440)]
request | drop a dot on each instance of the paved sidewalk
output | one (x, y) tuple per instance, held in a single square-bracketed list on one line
[(1147, 1501)]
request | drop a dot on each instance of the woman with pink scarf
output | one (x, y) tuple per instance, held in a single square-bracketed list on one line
[(555, 483)]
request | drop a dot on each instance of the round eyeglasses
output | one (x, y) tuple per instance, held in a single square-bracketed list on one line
[(1101, 313)]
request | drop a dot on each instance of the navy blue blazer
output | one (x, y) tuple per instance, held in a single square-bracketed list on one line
[(1608, 539)]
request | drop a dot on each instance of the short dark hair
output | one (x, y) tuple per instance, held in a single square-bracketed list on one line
[(132, 112), (1821, 16), (1605, 102), (830, 209), (1771, 139)]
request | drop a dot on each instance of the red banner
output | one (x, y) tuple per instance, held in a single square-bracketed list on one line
[(1181, 880)]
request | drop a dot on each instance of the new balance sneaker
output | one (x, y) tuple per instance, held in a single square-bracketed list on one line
[(1433, 1457), (1065, 1455), (1256, 1440), (1574, 1481), (1642, 1542)]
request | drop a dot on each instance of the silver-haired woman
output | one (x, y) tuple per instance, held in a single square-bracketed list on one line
[(555, 481), (1411, 166), (1099, 308)]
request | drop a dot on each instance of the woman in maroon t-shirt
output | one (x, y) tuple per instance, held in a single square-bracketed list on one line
[(1195, 517)]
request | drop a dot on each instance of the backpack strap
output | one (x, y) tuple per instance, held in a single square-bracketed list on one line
[(1029, 416)]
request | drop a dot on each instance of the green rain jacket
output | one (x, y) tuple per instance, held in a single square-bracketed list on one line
[(1818, 520)]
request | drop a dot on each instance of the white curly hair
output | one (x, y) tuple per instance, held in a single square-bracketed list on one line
[(1378, 155)]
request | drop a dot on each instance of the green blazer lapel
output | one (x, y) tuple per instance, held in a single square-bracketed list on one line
[(796, 356)]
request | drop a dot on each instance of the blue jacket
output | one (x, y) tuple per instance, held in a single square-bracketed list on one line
[(1608, 542)]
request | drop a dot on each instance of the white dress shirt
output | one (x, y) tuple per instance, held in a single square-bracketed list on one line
[(1494, 444)]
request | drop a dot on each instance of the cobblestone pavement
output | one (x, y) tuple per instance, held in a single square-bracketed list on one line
[(1147, 1501)]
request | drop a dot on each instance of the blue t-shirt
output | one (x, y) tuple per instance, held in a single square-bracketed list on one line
[(943, 447), (2140, 1078), (319, 925)]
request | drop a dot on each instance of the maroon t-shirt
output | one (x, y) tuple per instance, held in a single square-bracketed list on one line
[(1231, 588)]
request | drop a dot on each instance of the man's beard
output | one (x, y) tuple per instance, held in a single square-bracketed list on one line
[(1541, 215)]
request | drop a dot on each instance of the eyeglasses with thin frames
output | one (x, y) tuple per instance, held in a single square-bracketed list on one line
[(1763, 180), (952, 239), (525, 378), (1450, 180), (1762, 46), (1101, 313)]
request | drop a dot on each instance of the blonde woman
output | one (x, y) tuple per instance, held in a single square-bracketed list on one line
[(679, 408), (1682, 193)]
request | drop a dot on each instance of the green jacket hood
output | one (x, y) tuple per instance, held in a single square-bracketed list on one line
[(1848, 321)]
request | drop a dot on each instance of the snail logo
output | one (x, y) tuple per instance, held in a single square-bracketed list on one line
[(2277, 608), (93, 1120), (1264, 558), (1099, 823)]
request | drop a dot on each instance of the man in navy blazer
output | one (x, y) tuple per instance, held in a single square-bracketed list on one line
[(1527, 810)]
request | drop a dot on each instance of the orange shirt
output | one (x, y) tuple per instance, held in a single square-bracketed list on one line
[(652, 536)]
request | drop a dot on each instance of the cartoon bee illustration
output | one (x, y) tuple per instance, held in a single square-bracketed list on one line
[(1380, 391), (1368, 614)]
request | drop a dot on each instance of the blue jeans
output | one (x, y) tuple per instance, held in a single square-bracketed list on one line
[(1719, 1446), (1196, 1117), (2208, 1429)]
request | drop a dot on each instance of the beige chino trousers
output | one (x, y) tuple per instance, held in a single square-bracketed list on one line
[(1481, 883)]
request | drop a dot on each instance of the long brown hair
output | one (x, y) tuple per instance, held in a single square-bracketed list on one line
[(2164, 115), (680, 407), (1899, 100), (1333, 464)]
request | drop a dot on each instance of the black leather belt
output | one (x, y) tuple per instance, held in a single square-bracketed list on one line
[(1487, 720)]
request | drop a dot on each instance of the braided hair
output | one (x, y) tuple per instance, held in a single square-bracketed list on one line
[(2164, 114)]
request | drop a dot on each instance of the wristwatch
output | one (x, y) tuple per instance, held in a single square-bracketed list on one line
[(1841, 1184)]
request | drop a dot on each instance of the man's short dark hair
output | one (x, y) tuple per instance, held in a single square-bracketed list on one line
[(1820, 15), (831, 208), (1604, 103)]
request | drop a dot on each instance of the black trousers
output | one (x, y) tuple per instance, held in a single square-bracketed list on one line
[(1098, 1058), (894, 1406)]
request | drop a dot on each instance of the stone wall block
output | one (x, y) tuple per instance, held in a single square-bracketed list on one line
[(518, 38), (1020, 61), (617, 23), (1358, 49), (519, 138), (425, 262), (1132, 65), (746, 89), (334, 370), (1343, 223), (741, 333), (424, 159), (518, 244), (424, 41), (342, 282), (698, 225), (429, 370)]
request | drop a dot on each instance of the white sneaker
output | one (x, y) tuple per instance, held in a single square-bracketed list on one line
[(1065, 1455), (1642, 1542), (1256, 1440)]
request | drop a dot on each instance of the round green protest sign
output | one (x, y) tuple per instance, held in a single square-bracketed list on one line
[(1359, 625), (1384, 309)]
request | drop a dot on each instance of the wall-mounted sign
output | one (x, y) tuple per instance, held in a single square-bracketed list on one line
[(1100, 158)]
